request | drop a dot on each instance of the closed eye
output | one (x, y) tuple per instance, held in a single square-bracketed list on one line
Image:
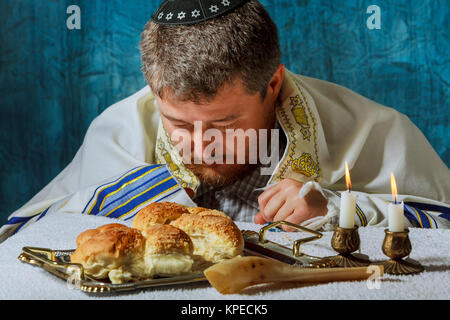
[(226, 126), (222, 125), (183, 125)]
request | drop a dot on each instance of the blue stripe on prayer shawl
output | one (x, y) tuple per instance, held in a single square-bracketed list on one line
[(109, 189), (43, 214), (144, 197), (93, 195), (361, 216), (18, 228), (411, 218), (124, 189), (159, 200), (419, 216), (24, 222), (129, 193), (421, 207), (435, 223), (409, 213), (15, 220), (430, 207), (166, 196), (113, 187), (429, 217), (423, 219), (147, 197), (445, 216)]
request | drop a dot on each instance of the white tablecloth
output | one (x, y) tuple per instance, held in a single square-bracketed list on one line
[(19, 280)]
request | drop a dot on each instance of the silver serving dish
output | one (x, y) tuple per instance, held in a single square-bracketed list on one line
[(58, 262)]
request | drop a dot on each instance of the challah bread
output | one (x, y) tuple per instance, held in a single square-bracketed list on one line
[(111, 251), (123, 254), (158, 213), (215, 238), (206, 212), (166, 239), (168, 251)]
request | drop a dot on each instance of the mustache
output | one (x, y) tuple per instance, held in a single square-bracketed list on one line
[(214, 158), (217, 178)]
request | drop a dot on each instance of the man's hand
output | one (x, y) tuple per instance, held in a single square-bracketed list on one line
[(281, 202)]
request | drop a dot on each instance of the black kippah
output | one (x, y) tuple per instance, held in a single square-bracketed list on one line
[(188, 12)]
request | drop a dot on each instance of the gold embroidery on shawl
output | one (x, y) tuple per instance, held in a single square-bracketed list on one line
[(305, 165), (299, 112), (316, 146), (167, 158), (302, 153), (290, 132), (165, 153)]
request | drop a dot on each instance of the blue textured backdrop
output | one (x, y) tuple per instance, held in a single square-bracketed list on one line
[(55, 81)]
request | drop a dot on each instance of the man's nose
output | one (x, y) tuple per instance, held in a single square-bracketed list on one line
[(199, 144), (202, 140)]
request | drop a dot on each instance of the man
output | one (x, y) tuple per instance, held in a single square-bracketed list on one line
[(216, 69)]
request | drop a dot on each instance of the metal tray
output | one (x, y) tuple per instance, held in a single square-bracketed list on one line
[(58, 262), (257, 244)]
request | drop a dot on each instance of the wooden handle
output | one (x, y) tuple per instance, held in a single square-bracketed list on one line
[(234, 275)]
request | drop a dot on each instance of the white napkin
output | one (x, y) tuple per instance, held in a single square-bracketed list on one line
[(19, 280)]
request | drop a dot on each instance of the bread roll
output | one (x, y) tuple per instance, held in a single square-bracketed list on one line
[(206, 212), (168, 251), (196, 210), (215, 238), (111, 251), (158, 213), (167, 239), (124, 254)]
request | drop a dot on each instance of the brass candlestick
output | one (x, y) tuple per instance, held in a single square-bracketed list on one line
[(345, 241), (396, 245)]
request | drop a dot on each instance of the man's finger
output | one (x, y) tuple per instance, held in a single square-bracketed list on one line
[(272, 207), (284, 212), (266, 195), (259, 219)]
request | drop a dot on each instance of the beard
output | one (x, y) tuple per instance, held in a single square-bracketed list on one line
[(224, 172), (220, 175)]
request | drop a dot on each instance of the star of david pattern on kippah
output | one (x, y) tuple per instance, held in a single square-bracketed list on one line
[(189, 12)]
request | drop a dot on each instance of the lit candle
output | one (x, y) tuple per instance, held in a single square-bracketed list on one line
[(348, 204), (395, 210)]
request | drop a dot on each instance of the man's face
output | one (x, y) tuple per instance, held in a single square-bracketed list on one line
[(206, 142)]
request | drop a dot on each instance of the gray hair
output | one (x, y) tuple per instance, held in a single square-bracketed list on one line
[(194, 62)]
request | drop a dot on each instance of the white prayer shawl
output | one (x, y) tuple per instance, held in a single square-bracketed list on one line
[(116, 171)]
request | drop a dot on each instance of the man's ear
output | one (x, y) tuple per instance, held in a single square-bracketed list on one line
[(275, 83)]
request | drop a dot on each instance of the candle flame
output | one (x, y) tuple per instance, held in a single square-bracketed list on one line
[(394, 187), (347, 177)]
